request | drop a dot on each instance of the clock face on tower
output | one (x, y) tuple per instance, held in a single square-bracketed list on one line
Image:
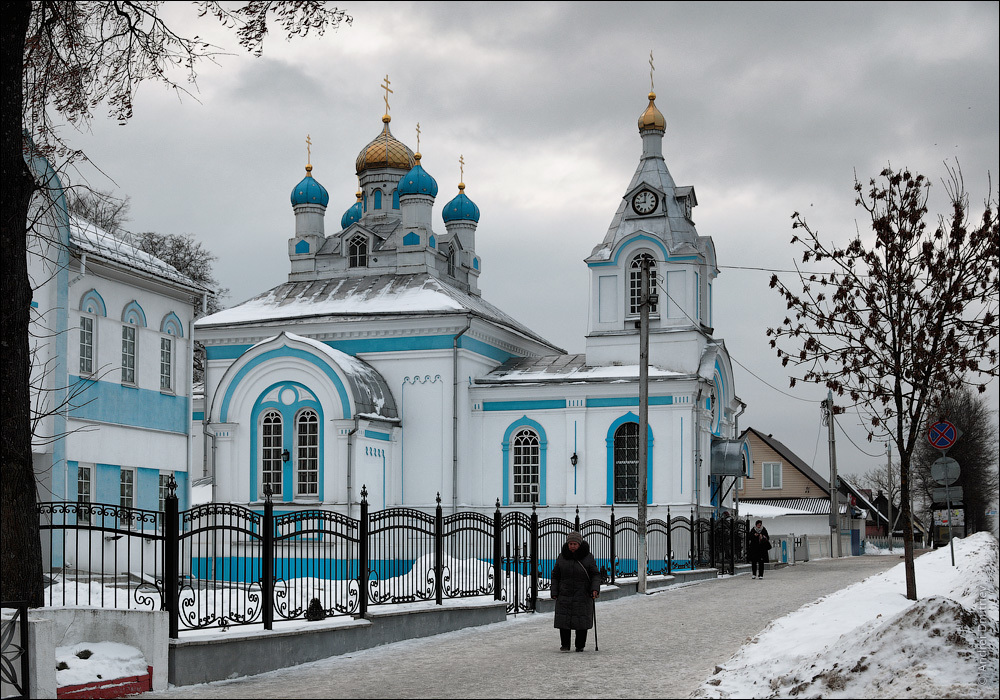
[(644, 202)]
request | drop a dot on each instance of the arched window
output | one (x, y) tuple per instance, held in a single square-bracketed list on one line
[(626, 455), (526, 465), (271, 446), (451, 262), (357, 251), (378, 199), (307, 453), (635, 282)]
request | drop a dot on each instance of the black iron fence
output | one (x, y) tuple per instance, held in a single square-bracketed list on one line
[(14, 658), (231, 565)]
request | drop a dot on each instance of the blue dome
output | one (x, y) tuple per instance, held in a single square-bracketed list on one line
[(352, 215), (461, 208), (417, 181), (309, 191)]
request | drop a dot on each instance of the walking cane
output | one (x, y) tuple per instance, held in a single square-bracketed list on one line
[(594, 601)]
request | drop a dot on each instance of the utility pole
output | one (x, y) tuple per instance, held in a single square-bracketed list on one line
[(834, 493), (646, 299)]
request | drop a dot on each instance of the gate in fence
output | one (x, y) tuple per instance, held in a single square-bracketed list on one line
[(226, 565)]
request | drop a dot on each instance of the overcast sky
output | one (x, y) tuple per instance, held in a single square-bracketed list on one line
[(770, 109)]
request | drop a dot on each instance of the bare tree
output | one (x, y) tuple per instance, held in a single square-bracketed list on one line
[(907, 313), (100, 208), (58, 61)]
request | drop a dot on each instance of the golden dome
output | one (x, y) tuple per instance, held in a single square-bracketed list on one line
[(652, 118), (384, 152)]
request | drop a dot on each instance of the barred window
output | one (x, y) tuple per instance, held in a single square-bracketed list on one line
[(270, 460), (357, 250), (526, 465), (626, 453), (164, 491), (307, 453), (635, 283), (128, 354), (86, 345), (166, 364), (83, 493)]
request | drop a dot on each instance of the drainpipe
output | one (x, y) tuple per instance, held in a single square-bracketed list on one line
[(454, 414), (349, 436), (697, 453), (736, 430)]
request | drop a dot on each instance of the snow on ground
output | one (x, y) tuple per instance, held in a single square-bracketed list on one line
[(89, 662), (868, 640), (874, 550)]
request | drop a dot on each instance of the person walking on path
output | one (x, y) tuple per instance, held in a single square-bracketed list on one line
[(576, 583), (758, 542)]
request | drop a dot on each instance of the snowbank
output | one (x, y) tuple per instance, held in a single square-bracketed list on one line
[(868, 640)]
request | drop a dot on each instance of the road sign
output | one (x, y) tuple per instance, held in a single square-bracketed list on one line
[(945, 471), (942, 434), (948, 492)]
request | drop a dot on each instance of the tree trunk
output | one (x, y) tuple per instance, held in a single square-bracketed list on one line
[(20, 546), (905, 515)]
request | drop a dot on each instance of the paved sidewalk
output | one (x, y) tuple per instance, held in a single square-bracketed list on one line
[(661, 645)]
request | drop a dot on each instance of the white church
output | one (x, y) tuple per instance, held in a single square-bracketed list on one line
[(379, 364)]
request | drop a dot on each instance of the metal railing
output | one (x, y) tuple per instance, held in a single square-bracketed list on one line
[(14, 648), (227, 564)]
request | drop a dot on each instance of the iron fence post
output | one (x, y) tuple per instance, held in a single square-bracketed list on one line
[(614, 549), (711, 540), (691, 553), (670, 549), (732, 546), (438, 552), (533, 554), (171, 555), (363, 555), (576, 523), (497, 532), (267, 560)]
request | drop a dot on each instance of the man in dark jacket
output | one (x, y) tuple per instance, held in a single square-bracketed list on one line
[(758, 542), (576, 583)]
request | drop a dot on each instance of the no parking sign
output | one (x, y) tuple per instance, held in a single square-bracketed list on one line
[(943, 435)]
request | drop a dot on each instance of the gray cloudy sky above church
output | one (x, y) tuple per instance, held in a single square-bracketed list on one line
[(770, 109)]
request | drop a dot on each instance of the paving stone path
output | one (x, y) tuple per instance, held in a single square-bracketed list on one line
[(660, 645)]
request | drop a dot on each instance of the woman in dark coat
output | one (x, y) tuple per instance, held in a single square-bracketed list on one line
[(576, 583), (758, 543)]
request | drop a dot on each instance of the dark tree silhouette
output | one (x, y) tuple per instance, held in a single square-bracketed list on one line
[(907, 314), (58, 62)]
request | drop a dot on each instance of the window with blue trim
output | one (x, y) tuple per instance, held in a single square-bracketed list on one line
[(86, 345), (84, 490), (307, 454), (166, 364), (626, 456), (526, 466), (635, 283), (395, 199), (357, 251), (378, 199), (270, 448), (128, 354)]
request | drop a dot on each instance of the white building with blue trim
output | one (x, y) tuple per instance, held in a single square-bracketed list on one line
[(111, 335), (378, 362)]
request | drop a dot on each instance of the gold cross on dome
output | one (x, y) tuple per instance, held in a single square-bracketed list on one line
[(461, 168), (385, 86), (651, 69), (418, 137), (308, 149)]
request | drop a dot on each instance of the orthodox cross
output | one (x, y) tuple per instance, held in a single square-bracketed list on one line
[(308, 149), (461, 168), (385, 87), (418, 137), (651, 69)]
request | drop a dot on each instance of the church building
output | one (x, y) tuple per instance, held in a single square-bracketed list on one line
[(379, 365)]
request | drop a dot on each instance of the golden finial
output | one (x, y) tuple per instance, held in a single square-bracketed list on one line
[(461, 170), (309, 166), (385, 86), (416, 156), (651, 69)]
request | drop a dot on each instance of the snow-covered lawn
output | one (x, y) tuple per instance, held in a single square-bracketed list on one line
[(868, 640)]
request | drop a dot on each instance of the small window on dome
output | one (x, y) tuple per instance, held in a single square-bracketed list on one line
[(357, 251)]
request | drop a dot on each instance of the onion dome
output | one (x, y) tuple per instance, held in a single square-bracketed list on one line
[(384, 152), (461, 208), (309, 191), (417, 181), (652, 118), (352, 215)]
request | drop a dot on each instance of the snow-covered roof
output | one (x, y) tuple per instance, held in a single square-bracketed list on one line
[(96, 241), (761, 510), (355, 297), (566, 368)]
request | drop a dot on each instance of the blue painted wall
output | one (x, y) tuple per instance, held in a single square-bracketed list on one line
[(109, 402)]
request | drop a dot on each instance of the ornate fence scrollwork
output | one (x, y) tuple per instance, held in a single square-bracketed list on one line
[(14, 648)]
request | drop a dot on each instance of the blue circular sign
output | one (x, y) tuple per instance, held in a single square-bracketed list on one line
[(942, 434)]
